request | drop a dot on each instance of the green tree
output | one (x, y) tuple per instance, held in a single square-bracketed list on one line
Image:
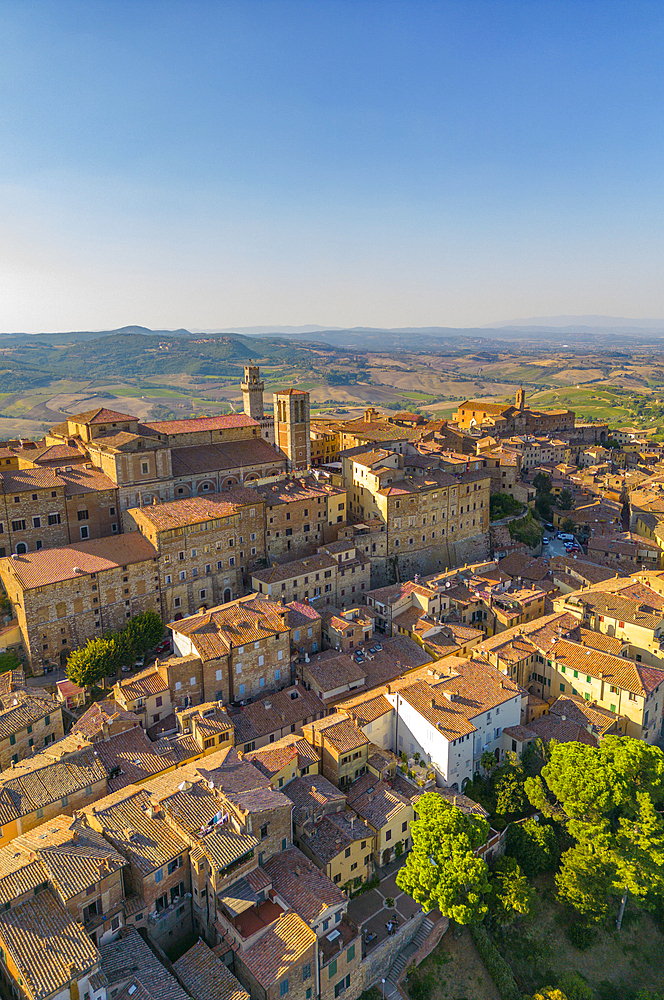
[(625, 509), (87, 665), (511, 891), (143, 632), (542, 483), (534, 845), (488, 761), (569, 526), (606, 797), (549, 993), (511, 798), (9, 661), (566, 500), (442, 869)]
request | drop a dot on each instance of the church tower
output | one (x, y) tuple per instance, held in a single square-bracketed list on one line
[(292, 427), (520, 399), (252, 392)]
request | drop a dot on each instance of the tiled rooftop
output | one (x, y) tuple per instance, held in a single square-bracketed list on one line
[(24, 932), (40, 569), (206, 977), (194, 510), (304, 886), (248, 619), (273, 713)]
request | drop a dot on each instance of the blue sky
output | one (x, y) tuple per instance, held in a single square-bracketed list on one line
[(212, 164)]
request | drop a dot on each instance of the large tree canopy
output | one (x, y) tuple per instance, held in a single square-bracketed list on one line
[(606, 797), (442, 869)]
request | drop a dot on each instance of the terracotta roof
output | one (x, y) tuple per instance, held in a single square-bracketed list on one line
[(224, 846), (256, 721), (74, 856), (301, 614), (290, 491), (329, 836), (474, 689), (375, 801), (136, 757), (290, 749), (38, 781), (194, 510), (19, 874), (129, 960), (304, 886), (23, 480), (561, 729), (298, 567), (21, 708), (248, 619), (148, 843), (333, 670), (143, 684), (206, 977), (101, 713), (100, 416), (586, 713), (313, 791), (46, 971), (206, 458), (342, 733), (80, 480), (222, 422), (367, 708), (40, 569), (625, 674)]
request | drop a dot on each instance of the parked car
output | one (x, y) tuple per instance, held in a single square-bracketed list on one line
[(545, 541), (163, 647), (126, 670), (140, 662)]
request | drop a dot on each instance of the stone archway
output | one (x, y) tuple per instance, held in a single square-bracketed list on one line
[(229, 482), (228, 595), (207, 487), (21, 549)]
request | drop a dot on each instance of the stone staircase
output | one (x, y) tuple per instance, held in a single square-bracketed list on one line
[(391, 980)]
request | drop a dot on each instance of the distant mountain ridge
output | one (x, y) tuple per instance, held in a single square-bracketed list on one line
[(580, 322)]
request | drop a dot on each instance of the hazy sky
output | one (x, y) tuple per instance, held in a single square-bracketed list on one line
[(212, 164)]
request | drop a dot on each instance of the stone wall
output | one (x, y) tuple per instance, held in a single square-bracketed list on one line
[(379, 961)]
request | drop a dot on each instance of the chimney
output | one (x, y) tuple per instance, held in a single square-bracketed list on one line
[(74, 836)]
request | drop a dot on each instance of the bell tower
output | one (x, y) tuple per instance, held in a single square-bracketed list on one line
[(292, 427), (252, 392)]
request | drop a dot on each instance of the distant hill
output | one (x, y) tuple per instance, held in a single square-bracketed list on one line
[(584, 322)]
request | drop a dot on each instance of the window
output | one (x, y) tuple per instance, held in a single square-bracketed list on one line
[(350, 954), (388, 835), (306, 972), (347, 852), (404, 826), (54, 519), (332, 968), (174, 864), (277, 675), (83, 515), (337, 879), (283, 987), (36, 522), (85, 531), (20, 525), (12, 740), (158, 875), (144, 468), (264, 831), (64, 801)]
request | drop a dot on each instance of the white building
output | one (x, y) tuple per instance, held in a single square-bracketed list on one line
[(452, 722)]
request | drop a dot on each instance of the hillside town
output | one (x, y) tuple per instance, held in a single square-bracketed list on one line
[(353, 615)]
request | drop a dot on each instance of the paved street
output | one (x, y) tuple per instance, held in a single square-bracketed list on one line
[(370, 913)]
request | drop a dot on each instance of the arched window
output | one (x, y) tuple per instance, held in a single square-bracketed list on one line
[(21, 549)]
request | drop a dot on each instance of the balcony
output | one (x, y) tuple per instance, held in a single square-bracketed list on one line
[(420, 775), (337, 939), (244, 914)]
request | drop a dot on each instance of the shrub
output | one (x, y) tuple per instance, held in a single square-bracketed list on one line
[(495, 964), (581, 935)]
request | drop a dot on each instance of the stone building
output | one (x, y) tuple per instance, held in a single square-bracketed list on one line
[(207, 547), (336, 575), (253, 388), (158, 870), (170, 459), (301, 514), (343, 748), (502, 419), (244, 646), (29, 721), (63, 597), (292, 427), (34, 972), (83, 872)]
